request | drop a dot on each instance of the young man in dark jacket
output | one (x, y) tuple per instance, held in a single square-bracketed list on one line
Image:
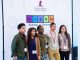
[(19, 46)]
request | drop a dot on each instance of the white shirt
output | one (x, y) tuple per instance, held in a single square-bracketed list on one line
[(53, 40)]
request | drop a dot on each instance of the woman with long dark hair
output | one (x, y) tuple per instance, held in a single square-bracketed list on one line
[(64, 42), (33, 44)]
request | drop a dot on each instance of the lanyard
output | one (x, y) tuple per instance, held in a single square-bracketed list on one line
[(64, 38), (52, 37)]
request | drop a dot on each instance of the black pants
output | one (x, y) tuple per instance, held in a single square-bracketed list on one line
[(64, 55)]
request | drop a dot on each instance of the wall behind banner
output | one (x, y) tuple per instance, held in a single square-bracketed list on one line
[(15, 12), (1, 40)]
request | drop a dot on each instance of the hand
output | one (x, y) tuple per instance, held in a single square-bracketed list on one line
[(58, 50), (15, 58), (39, 58)]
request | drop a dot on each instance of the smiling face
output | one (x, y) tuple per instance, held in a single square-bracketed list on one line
[(41, 30), (33, 32), (63, 29), (53, 27)]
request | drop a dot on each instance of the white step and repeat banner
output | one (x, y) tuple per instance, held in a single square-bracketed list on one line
[(1, 40), (33, 13)]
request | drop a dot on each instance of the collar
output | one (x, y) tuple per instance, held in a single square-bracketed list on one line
[(52, 31)]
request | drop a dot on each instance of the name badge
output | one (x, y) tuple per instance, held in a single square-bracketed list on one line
[(25, 49), (46, 46), (34, 52), (54, 45), (65, 47)]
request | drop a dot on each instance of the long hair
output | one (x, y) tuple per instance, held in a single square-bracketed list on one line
[(29, 34), (66, 33)]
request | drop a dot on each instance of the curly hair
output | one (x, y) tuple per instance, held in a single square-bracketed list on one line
[(29, 34)]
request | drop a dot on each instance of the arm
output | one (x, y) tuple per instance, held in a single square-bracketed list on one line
[(13, 46), (28, 54), (48, 38), (38, 48), (69, 42), (27, 48), (59, 40)]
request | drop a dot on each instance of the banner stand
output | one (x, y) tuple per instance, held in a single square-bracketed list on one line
[(3, 25)]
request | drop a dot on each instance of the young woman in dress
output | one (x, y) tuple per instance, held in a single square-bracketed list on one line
[(33, 44)]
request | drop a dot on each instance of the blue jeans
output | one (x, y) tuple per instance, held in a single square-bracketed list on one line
[(45, 57), (22, 58)]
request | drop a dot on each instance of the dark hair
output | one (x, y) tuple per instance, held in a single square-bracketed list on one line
[(52, 24), (65, 32), (20, 25), (39, 27), (29, 34)]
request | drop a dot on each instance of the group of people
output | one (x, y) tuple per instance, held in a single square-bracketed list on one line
[(39, 46)]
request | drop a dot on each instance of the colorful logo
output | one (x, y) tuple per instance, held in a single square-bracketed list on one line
[(51, 18), (46, 20), (39, 18)]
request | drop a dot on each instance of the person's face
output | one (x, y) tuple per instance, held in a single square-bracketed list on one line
[(53, 27), (22, 29), (41, 30), (63, 29), (33, 32)]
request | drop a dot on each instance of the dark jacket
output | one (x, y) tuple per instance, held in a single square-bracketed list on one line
[(43, 43), (18, 45)]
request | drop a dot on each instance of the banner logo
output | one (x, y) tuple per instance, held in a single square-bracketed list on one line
[(39, 18)]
